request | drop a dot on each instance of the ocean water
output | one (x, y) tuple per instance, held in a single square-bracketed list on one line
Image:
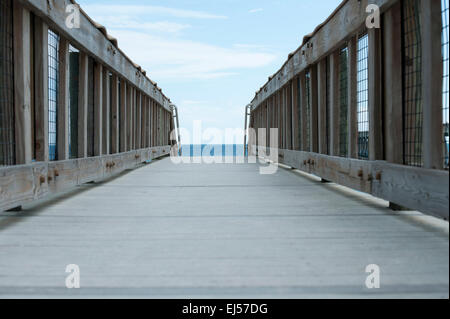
[(197, 150)]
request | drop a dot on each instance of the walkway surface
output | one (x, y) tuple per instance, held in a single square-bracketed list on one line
[(220, 231)]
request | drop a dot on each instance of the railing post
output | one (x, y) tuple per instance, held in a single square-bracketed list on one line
[(375, 96), (123, 116), (106, 115), (393, 97), (314, 138), (302, 105), (63, 101), (40, 88), (114, 114), (98, 106), (352, 99), (295, 115), (334, 104), (129, 117), (138, 119), (22, 83), (83, 104), (322, 105), (432, 84)]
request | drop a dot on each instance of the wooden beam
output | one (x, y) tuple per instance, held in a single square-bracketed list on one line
[(123, 116), (352, 98), (115, 114), (40, 88), (393, 95), (375, 96), (314, 138), (83, 104), (98, 106), (322, 105), (139, 117), (22, 83), (334, 104), (106, 115), (432, 69), (63, 101)]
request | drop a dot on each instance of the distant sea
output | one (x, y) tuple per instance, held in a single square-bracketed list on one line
[(197, 150)]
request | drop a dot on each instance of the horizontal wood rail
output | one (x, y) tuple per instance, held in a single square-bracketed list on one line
[(22, 184), (425, 190)]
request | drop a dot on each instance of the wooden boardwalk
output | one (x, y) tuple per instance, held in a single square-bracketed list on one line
[(196, 231)]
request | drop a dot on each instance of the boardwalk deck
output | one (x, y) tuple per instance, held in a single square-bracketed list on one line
[(220, 230)]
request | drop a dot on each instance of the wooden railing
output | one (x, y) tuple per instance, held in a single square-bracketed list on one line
[(364, 107), (81, 110)]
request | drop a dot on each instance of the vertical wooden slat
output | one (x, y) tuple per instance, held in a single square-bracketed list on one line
[(139, 118), (432, 71), (114, 114), (352, 115), (40, 86), (144, 119), (322, 105), (375, 96), (314, 138), (98, 106), (334, 104), (22, 84), (129, 117), (393, 96), (123, 116), (150, 123), (295, 115), (83, 104), (106, 116), (63, 101), (303, 101)]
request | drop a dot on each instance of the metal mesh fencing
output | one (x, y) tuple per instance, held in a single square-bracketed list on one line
[(362, 92), (445, 100), (343, 102), (7, 140), (53, 82), (74, 56), (412, 83)]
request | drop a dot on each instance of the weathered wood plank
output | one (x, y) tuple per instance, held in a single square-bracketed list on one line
[(115, 114), (98, 106), (22, 84), (106, 112), (63, 101), (83, 90), (322, 105)]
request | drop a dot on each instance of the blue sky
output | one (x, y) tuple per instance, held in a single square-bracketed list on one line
[(209, 56)]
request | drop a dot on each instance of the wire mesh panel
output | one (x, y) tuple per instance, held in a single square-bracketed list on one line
[(445, 101), (307, 111), (7, 141), (300, 126), (53, 80), (412, 83), (73, 101), (90, 109), (362, 94), (343, 102)]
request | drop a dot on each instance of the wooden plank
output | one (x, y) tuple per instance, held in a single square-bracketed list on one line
[(22, 84), (41, 89), (83, 104), (98, 106), (303, 119), (314, 139), (352, 98), (393, 94), (295, 114), (123, 116), (139, 119), (90, 39), (22, 184), (334, 104), (375, 96), (115, 114), (63, 101), (322, 105), (130, 126), (432, 69), (106, 115)]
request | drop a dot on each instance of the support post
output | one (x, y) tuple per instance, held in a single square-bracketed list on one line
[(22, 84), (334, 104), (83, 105), (63, 101), (106, 115), (115, 114), (123, 116), (314, 138), (432, 70), (98, 105), (322, 105)]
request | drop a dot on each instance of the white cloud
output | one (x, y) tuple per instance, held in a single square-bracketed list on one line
[(134, 10), (128, 23), (256, 10), (184, 59)]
